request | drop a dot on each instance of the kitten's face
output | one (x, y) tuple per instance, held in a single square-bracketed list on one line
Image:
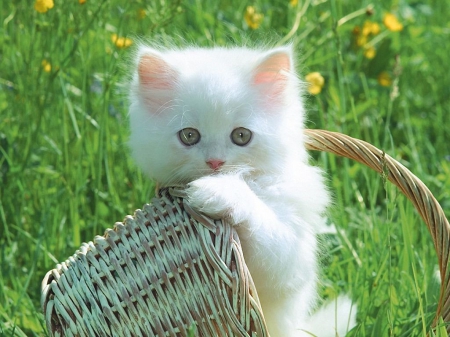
[(198, 115)]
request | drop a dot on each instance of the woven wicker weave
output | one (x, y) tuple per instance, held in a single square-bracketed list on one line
[(169, 267), (155, 274)]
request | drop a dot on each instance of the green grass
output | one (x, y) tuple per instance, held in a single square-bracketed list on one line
[(66, 174)]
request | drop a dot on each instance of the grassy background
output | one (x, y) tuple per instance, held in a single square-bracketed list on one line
[(65, 172)]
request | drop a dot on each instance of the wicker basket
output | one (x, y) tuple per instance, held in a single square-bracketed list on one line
[(156, 274), (168, 268)]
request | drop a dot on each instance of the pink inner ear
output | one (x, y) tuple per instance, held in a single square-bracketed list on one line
[(155, 73), (267, 77), (156, 81), (270, 70), (270, 75)]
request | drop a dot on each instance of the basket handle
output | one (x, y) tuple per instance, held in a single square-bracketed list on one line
[(411, 186)]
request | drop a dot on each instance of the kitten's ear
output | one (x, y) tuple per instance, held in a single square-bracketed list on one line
[(271, 74), (156, 79)]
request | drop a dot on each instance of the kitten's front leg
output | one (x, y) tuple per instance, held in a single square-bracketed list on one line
[(279, 254), (272, 247), (221, 196)]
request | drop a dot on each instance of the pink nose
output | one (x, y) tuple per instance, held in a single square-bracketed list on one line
[(215, 163)]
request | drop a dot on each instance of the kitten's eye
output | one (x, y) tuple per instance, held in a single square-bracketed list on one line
[(189, 136), (241, 136)]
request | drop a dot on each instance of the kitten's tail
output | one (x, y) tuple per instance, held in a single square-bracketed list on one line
[(333, 319)]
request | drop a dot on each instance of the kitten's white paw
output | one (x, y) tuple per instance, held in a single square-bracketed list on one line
[(219, 196)]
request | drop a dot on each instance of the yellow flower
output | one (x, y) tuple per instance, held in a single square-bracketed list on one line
[(252, 17), (391, 22), (81, 2), (361, 40), (293, 3), (46, 65), (384, 79), (316, 82), (370, 28), (121, 42), (370, 52), (362, 35), (43, 6), (141, 13)]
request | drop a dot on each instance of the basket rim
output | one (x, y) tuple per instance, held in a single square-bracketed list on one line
[(410, 185)]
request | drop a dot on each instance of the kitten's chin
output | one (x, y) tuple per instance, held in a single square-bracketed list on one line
[(184, 176), (186, 179), (179, 181)]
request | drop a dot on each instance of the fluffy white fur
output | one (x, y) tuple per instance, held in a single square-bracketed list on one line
[(267, 188)]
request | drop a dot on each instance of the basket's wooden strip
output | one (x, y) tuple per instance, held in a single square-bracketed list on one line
[(414, 189)]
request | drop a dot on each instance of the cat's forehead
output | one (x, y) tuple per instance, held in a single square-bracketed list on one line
[(214, 97), (213, 117)]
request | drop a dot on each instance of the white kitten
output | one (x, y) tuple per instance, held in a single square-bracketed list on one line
[(229, 123)]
